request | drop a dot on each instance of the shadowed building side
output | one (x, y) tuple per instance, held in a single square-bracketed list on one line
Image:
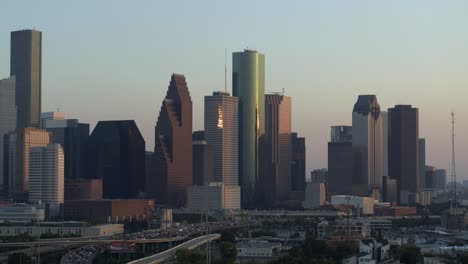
[(173, 145), (115, 153)]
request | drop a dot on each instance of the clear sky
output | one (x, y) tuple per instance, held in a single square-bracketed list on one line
[(107, 60)]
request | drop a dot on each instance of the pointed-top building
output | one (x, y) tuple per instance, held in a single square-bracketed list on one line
[(367, 147), (173, 145)]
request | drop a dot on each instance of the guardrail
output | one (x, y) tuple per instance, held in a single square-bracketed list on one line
[(170, 253)]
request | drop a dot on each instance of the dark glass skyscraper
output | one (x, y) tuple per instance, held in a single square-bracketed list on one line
[(173, 145), (298, 165), (115, 153), (403, 147), (248, 85), (26, 65), (7, 120), (202, 164)]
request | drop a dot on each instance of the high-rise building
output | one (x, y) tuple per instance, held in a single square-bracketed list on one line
[(26, 66), (440, 179), (389, 190), (173, 145), (202, 163), (72, 136), (298, 164), (341, 134), (430, 178), (276, 148), (115, 153), (221, 132), (18, 146), (422, 162), (7, 117), (403, 158), (83, 189), (248, 84), (384, 143), (340, 168), (367, 147), (46, 174)]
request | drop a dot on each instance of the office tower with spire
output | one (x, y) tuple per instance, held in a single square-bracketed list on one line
[(275, 180), (248, 85), (403, 158), (7, 119), (221, 132), (115, 153), (173, 145), (26, 66), (367, 147)]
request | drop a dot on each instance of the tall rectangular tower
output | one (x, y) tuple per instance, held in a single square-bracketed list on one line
[(26, 66), (248, 84), (340, 161), (276, 177), (367, 147), (46, 174), (403, 158), (7, 118), (298, 165), (221, 132)]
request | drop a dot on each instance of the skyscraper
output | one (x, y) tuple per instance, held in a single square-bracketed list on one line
[(26, 66), (248, 84), (46, 174), (115, 153), (367, 147), (72, 136), (7, 116), (440, 179), (202, 163), (276, 175), (298, 165), (18, 145), (384, 143), (173, 145), (403, 158), (341, 134), (422, 162), (340, 161), (221, 132)]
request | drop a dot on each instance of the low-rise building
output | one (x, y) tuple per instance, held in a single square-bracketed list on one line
[(23, 213), (364, 205), (257, 249), (214, 196), (61, 229), (108, 210), (395, 211)]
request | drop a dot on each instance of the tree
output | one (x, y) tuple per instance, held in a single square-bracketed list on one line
[(183, 256), (16, 258), (229, 251), (409, 254), (228, 236)]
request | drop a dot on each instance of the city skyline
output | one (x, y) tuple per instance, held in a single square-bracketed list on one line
[(440, 73)]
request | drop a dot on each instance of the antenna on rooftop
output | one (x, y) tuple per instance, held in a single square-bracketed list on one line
[(225, 70)]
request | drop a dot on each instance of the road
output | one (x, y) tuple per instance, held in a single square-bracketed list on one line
[(171, 253)]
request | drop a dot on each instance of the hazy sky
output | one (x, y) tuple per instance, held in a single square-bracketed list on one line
[(107, 60)]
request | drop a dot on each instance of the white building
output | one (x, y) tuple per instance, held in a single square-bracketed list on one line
[(7, 115), (46, 174), (314, 196), (364, 204), (214, 196), (257, 249), (367, 147)]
